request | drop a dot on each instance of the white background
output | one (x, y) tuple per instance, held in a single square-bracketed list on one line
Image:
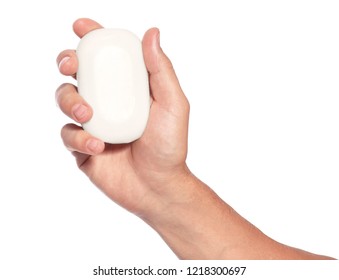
[(262, 78)]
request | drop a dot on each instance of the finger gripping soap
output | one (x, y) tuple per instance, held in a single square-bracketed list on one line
[(113, 79)]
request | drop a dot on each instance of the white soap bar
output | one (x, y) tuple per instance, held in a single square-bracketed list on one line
[(113, 79)]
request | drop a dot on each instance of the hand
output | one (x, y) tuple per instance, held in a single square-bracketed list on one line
[(138, 174), (149, 177)]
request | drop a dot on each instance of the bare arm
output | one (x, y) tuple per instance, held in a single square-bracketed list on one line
[(200, 225), (149, 177)]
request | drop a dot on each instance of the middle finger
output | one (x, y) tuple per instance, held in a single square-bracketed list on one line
[(72, 104)]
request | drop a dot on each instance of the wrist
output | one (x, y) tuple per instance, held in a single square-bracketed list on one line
[(172, 189), (187, 216)]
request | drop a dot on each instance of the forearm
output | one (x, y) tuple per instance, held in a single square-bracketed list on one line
[(197, 224)]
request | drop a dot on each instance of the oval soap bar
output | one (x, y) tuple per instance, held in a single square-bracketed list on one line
[(113, 79)]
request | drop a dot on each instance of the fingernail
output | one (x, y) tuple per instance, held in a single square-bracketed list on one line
[(79, 111), (93, 145), (63, 61)]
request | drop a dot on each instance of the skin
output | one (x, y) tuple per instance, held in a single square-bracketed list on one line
[(149, 177)]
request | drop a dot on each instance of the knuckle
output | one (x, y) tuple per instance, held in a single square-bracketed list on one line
[(59, 91), (64, 131), (185, 105), (62, 96), (73, 137)]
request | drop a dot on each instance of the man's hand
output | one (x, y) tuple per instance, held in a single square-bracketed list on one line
[(149, 177), (134, 175)]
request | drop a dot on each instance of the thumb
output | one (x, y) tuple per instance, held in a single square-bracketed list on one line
[(165, 87)]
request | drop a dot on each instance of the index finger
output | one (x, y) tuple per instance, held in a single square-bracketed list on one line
[(84, 25)]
